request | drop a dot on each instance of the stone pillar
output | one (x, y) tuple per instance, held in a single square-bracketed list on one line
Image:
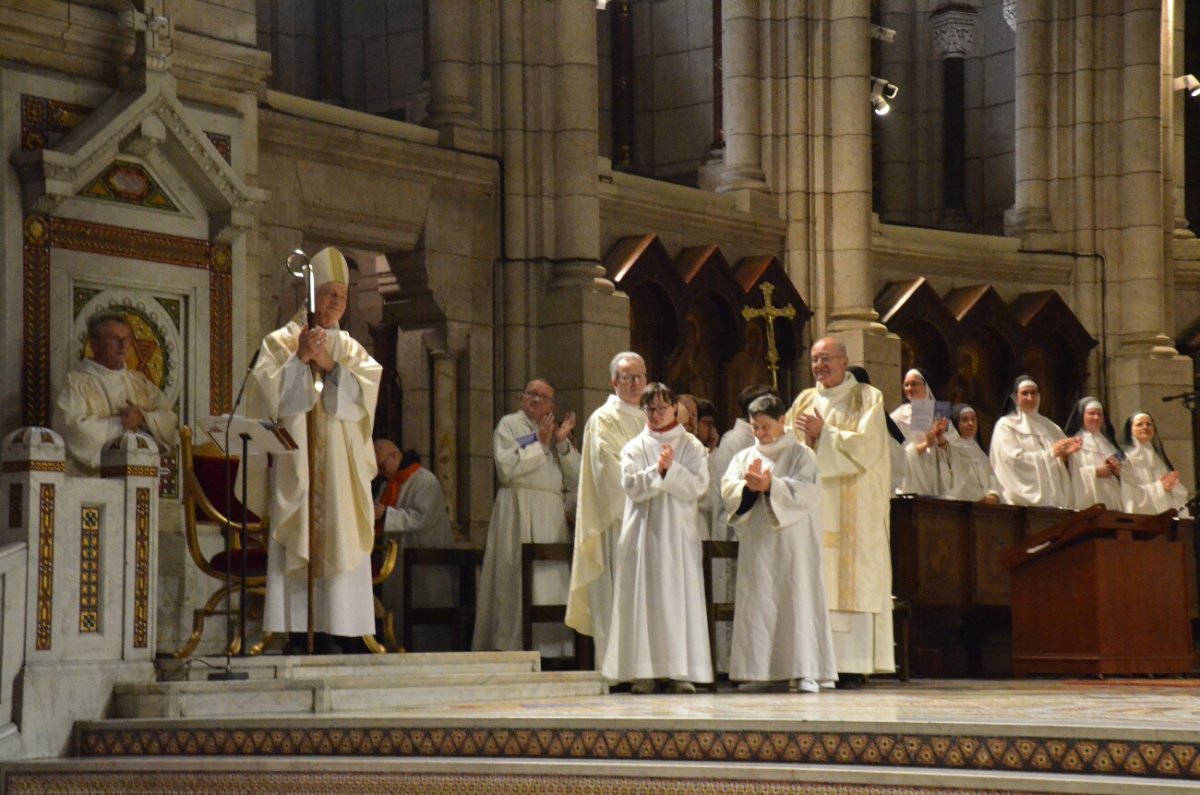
[(329, 52), (953, 40), (451, 111), (1031, 211), (133, 460), (445, 425), (1176, 104), (623, 128), (742, 104)]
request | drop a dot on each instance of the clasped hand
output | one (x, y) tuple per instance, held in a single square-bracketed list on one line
[(809, 426), (313, 350), (1065, 448), (756, 478)]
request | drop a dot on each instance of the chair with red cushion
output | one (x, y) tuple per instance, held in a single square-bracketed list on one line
[(208, 498)]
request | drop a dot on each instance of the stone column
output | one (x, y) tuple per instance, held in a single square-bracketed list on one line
[(742, 104), (953, 40), (1176, 104), (1031, 211), (852, 316), (451, 111), (329, 52), (445, 425), (621, 39)]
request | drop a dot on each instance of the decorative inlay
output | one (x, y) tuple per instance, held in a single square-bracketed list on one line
[(1177, 761), (117, 241), (129, 472), (223, 144), (141, 571), (33, 466), (15, 505), (89, 568), (35, 352), (45, 121), (45, 569), (129, 183)]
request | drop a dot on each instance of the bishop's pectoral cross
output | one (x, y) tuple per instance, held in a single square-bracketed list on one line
[(768, 313)]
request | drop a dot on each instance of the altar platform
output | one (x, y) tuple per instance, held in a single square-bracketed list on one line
[(398, 724)]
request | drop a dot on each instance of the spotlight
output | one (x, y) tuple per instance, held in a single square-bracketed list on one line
[(601, 4), (1187, 83), (883, 34), (881, 92)]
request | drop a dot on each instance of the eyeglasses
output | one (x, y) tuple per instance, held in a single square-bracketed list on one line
[(826, 358), (653, 410), (538, 397), (631, 378)]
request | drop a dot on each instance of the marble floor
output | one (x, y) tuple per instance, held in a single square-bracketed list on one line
[(1141, 708)]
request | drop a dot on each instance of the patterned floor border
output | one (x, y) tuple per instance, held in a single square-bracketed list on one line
[(1177, 761)]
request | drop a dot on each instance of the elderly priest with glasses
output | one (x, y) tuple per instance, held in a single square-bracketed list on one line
[(536, 465)]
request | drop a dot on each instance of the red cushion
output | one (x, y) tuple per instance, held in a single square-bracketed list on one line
[(211, 474), (256, 562)]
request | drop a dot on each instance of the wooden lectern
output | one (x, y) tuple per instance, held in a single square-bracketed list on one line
[(1101, 593)]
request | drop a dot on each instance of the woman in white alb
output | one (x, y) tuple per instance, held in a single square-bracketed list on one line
[(1029, 452), (1096, 468), (1149, 483)]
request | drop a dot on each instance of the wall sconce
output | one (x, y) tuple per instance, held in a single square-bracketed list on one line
[(881, 92), (1187, 83)]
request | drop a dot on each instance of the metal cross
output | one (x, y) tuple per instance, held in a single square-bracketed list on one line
[(768, 313)]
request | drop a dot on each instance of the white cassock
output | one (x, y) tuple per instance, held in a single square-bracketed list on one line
[(529, 508), (1141, 483), (417, 518), (344, 415), (972, 476), (598, 514), (1024, 462), (856, 476), (86, 412), (781, 625), (660, 621), (1086, 487), (724, 583)]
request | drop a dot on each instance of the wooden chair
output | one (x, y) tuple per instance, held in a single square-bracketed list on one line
[(461, 617), (548, 614), (717, 611), (206, 498), (383, 563)]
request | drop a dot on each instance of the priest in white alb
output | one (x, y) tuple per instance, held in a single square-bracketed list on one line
[(781, 626), (601, 502), (321, 370), (536, 465), (102, 398), (842, 421)]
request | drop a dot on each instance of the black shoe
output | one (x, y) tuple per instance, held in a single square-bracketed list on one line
[(297, 643), (850, 681), (323, 643)]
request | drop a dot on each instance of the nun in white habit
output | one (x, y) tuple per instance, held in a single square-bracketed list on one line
[(1149, 482), (973, 479), (927, 467), (1096, 468), (1029, 452)]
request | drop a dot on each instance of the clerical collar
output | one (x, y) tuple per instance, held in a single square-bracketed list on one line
[(93, 367), (834, 392)]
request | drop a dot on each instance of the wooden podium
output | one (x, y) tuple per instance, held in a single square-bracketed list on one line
[(1101, 593)]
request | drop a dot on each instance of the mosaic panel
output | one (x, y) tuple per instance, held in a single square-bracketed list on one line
[(15, 505), (45, 569), (141, 570), (223, 143), (1141, 759), (35, 352), (45, 121), (89, 568), (129, 183)]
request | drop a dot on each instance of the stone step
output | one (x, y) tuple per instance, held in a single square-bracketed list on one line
[(276, 666), (368, 692)]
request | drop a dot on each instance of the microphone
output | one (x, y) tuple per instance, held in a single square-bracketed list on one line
[(245, 379), (1181, 396)]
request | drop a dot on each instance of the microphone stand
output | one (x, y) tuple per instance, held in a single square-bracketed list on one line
[(229, 674)]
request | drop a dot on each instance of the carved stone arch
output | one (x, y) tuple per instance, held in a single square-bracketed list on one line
[(1057, 344), (928, 331)]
